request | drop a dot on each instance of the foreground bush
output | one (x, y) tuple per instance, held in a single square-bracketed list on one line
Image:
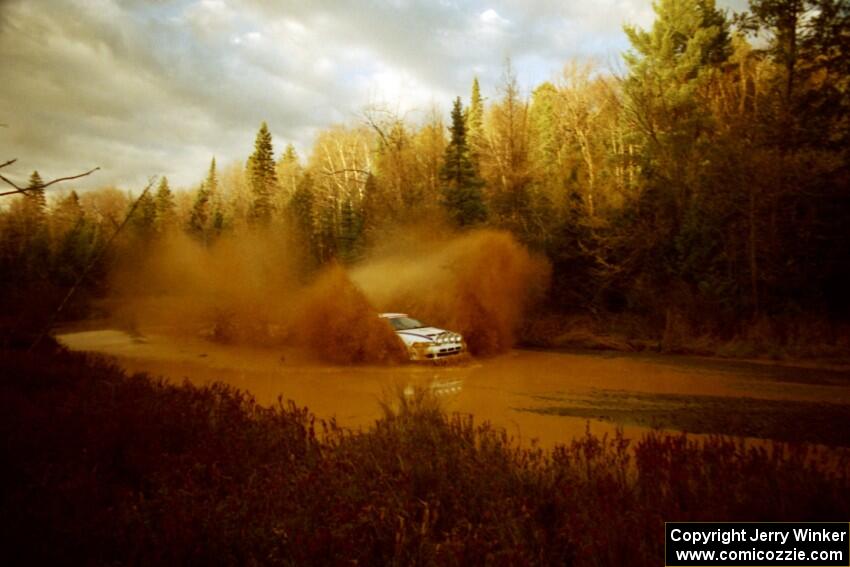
[(101, 468)]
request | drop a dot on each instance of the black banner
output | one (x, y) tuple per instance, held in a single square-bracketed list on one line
[(692, 544)]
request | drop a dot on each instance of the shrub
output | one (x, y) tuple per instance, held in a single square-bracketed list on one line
[(105, 468)]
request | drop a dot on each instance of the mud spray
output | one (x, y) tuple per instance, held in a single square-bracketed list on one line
[(335, 320), (478, 284), (249, 289)]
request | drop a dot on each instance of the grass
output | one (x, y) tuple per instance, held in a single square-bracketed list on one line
[(102, 468)]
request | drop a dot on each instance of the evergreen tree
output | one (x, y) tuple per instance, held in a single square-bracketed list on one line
[(36, 202), (546, 162), (670, 70), (798, 193), (144, 217), (216, 219), (263, 177), (289, 156), (218, 222), (372, 213), (350, 229), (211, 183), (668, 66), (461, 185), (544, 129), (475, 123), (289, 172), (73, 239), (165, 207), (200, 214), (67, 214), (32, 237), (810, 41), (302, 215)]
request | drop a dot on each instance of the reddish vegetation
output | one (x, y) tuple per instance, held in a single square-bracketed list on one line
[(104, 469)]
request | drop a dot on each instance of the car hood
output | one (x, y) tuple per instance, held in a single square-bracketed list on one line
[(425, 334)]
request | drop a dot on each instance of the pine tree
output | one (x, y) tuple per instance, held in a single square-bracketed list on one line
[(371, 206), (36, 203), (263, 177), (544, 129), (290, 156), (350, 229), (667, 68), (668, 64), (461, 185), (289, 172), (144, 216), (475, 123), (200, 214), (670, 69), (211, 182), (33, 239), (810, 40), (73, 239), (165, 207), (217, 221), (302, 213), (67, 215)]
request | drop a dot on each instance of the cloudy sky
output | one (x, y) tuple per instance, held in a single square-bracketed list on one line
[(160, 86)]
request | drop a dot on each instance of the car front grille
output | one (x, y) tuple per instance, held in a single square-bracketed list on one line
[(449, 351)]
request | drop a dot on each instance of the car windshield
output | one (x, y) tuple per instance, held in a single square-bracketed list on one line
[(405, 323)]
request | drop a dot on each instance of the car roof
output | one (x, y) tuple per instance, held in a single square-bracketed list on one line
[(392, 315)]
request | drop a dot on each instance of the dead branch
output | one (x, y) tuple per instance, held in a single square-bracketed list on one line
[(19, 189), (92, 263), (347, 170)]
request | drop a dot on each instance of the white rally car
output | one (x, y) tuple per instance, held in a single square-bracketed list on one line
[(422, 342)]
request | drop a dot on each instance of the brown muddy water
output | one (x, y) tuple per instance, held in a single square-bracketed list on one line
[(536, 396)]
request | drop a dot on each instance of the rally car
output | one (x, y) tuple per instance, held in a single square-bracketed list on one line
[(424, 342)]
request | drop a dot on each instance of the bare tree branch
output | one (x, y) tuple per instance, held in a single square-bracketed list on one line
[(347, 170), (92, 263), (43, 185)]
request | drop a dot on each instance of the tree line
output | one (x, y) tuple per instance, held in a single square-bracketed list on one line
[(707, 181)]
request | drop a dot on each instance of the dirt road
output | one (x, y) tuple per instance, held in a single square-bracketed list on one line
[(544, 396)]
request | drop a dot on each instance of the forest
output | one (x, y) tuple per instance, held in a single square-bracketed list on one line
[(700, 193)]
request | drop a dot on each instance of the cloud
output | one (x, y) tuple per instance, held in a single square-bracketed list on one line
[(492, 19), (159, 87)]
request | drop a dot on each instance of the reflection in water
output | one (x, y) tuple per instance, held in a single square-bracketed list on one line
[(437, 387), (545, 397)]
